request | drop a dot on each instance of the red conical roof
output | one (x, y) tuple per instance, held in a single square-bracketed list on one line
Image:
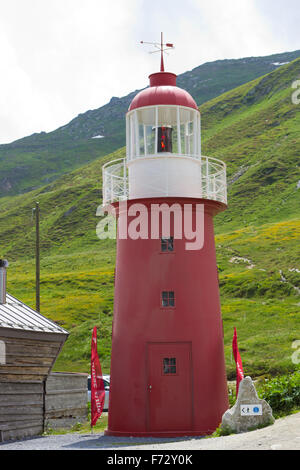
[(162, 90)]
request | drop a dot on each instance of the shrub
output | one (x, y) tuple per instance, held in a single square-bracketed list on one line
[(282, 393)]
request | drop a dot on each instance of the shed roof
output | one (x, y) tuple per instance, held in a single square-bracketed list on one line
[(16, 315)]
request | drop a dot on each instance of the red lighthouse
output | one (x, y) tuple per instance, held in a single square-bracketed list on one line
[(167, 364)]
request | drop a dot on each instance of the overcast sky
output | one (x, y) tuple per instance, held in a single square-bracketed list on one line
[(60, 58)]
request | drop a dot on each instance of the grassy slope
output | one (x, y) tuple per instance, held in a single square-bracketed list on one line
[(255, 129)]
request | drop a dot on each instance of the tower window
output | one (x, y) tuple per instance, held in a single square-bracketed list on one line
[(168, 299), (169, 365), (167, 244)]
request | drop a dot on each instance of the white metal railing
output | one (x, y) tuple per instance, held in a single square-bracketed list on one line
[(115, 181), (214, 185), (213, 180)]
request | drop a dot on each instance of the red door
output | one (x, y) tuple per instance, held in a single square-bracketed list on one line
[(169, 387)]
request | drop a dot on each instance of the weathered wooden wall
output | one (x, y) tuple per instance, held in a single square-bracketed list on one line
[(21, 409), (65, 400), (28, 359)]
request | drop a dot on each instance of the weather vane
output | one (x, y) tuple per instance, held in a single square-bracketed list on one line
[(161, 47)]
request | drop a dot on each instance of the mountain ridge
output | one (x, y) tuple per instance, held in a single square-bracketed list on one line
[(35, 160)]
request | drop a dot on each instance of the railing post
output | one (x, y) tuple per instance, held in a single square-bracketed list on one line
[(225, 184), (207, 178), (214, 188), (111, 180)]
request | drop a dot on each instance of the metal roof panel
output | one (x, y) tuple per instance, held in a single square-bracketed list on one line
[(15, 314)]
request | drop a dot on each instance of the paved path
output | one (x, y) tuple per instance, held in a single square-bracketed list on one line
[(283, 435)]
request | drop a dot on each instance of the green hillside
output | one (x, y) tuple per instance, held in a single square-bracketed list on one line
[(39, 159), (255, 130)]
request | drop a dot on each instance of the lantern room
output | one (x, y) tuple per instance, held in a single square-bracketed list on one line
[(163, 129), (163, 119)]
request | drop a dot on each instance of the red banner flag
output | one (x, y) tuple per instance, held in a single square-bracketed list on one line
[(238, 360), (97, 384)]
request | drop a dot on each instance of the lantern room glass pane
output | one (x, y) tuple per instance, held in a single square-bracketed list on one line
[(150, 140), (187, 130), (132, 137)]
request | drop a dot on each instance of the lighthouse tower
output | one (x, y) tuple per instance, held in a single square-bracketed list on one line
[(167, 363)]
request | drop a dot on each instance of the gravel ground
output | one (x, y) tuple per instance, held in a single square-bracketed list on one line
[(283, 435)]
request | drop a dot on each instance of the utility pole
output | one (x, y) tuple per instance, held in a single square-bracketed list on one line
[(37, 257)]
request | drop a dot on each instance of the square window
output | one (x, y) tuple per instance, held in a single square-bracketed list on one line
[(167, 244), (169, 365), (168, 299)]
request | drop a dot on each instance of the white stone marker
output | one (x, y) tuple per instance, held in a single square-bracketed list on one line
[(248, 412)]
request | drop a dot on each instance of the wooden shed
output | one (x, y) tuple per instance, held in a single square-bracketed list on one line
[(29, 346)]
